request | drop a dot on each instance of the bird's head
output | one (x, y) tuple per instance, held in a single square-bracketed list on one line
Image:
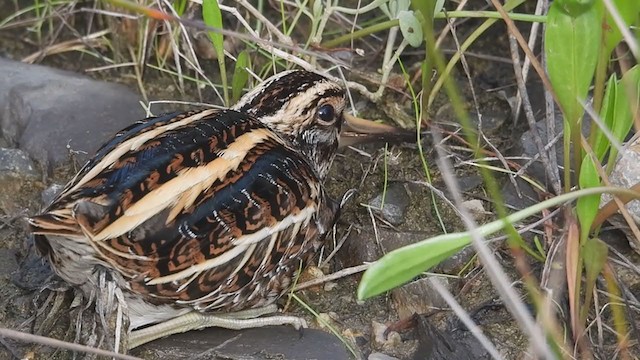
[(305, 109)]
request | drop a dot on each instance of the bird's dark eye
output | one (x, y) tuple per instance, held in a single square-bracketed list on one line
[(326, 113)]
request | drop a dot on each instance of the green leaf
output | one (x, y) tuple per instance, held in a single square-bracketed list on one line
[(587, 206), (575, 7), (402, 265), (240, 76), (571, 47), (411, 28), (438, 6), (601, 143), (213, 17), (594, 256), (629, 10), (627, 103)]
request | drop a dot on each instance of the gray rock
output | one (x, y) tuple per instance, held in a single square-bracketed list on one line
[(50, 193), (52, 113), (626, 174), (280, 342), (15, 163), (392, 207)]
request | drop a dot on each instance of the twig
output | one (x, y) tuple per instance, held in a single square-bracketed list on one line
[(43, 340), (336, 275), (533, 128)]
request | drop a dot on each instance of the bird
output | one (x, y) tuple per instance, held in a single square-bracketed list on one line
[(203, 215)]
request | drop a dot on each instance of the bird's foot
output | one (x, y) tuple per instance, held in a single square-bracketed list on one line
[(195, 320)]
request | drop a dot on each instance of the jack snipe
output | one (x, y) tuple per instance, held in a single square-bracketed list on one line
[(203, 213)]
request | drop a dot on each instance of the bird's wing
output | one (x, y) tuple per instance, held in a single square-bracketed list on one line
[(190, 203)]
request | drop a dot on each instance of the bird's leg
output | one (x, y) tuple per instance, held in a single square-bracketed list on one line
[(194, 320)]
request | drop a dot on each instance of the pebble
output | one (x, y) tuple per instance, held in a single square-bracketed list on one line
[(382, 339), (392, 203)]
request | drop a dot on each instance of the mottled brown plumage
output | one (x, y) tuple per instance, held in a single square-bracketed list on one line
[(212, 210)]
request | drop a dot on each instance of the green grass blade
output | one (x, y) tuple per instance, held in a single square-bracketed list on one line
[(629, 10), (240, 76), (601, 143), (213, 17)]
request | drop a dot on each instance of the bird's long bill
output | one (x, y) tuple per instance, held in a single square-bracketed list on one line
[(356, 130)]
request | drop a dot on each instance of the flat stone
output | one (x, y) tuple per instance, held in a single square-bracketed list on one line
[(53, 114), (380, 356), (277, 342)]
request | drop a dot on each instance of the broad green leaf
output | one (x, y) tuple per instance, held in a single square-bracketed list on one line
[(411, 28), (587, 206), (601, 143), (404, 264), (240, 76), (629, 10), (572, 47), (627, 103)]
